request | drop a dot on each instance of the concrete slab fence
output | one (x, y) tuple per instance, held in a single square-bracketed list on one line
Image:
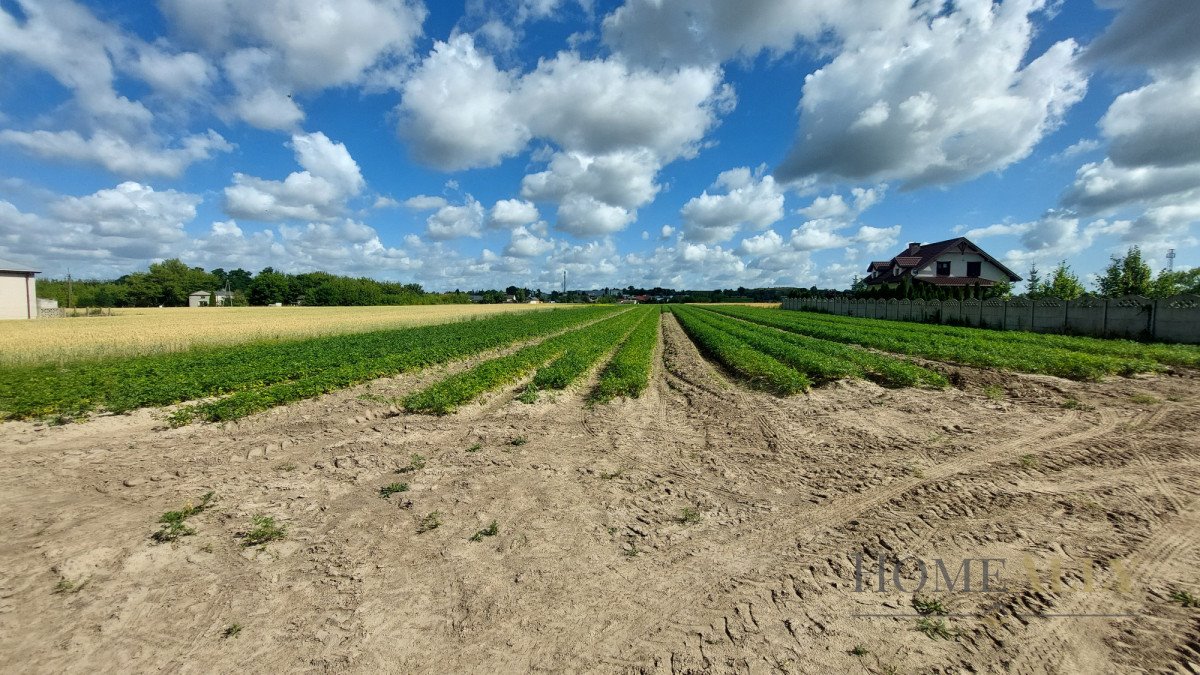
[(1174, 319)]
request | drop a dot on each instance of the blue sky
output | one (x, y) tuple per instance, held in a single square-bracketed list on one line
[(683, 143)]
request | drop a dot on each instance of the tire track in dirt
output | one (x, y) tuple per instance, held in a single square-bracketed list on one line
[(1044, 645)]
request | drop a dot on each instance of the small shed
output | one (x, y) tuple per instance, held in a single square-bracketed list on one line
[(205, 298), (18, 291)]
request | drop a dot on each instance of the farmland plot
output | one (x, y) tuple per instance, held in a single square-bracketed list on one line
[(697, 497)]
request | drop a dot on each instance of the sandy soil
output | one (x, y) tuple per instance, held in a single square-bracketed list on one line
[(595, 567)]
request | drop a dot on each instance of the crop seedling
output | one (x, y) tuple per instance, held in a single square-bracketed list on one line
[(475, 447), (529, 396), (928, 606), (415, 463), (1076, 404), (609, 476), (1144, 399), (389, 490), (431, 521), (1184, 598), (289, 467), (859, 650), (1029, 462), (519, 441), (264, 530), (66, 586), (489, 531), (172, 524), (994, 392), (934, 628), (689, 516), (232, 630)]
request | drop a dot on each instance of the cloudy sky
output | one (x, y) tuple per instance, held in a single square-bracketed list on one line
[(683, 143)]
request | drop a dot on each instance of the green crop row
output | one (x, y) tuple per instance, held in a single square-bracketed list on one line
[(262, 375), (1167, 354), (760, 370), (822, 360), (568, 355), (583, 355), (977, 349), (628, 372)]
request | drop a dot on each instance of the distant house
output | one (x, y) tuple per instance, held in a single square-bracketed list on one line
[(205, 298), (18, 291), (954, 262)]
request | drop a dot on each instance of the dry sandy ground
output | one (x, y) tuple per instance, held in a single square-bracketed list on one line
[(593, 568)]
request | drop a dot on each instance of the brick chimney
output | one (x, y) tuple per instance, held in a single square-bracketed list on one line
[(913, 246)]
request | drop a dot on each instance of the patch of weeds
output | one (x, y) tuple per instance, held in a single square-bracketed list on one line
[(489, 531), (1076, 404), (289, 467), (1184, 598), (430, 522), (859, 650), (182, 417), (475, 448), (994, 392), (376, 398), (518, 441), (915, 472), (232, 630), (633, 551), (1029, 462), (689, 516), (1144, 399), (265, 530), (415, 463), (928, 606), (609, 476), (934, 628), (59, 420), (68, 587), (1175, 398), (613, 530), (389, 490), (529, 396), (172, 524)]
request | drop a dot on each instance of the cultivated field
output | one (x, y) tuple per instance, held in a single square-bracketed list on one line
[(611, 490), (168, 329)]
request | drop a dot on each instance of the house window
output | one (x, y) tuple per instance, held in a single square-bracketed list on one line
[(974, 268), (943, 268)]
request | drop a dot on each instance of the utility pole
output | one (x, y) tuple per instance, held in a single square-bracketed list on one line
[(565, 280), (70, 295), (1171, 260)]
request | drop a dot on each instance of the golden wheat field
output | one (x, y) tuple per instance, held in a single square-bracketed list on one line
[(162, 329)]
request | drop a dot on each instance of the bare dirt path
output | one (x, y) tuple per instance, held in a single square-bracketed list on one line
[(701, 528)]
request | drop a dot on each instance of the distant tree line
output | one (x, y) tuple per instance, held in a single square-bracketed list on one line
[(170, 282)]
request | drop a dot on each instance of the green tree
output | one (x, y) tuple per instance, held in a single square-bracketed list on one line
[(1063, 284), (1033, 282), (1127, 275), (1167, 283), (269, 287)]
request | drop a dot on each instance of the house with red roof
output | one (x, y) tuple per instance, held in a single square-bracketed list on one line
[(953, 262)]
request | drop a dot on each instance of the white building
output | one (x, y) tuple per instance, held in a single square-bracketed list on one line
[(205, 298), (18, 291)]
